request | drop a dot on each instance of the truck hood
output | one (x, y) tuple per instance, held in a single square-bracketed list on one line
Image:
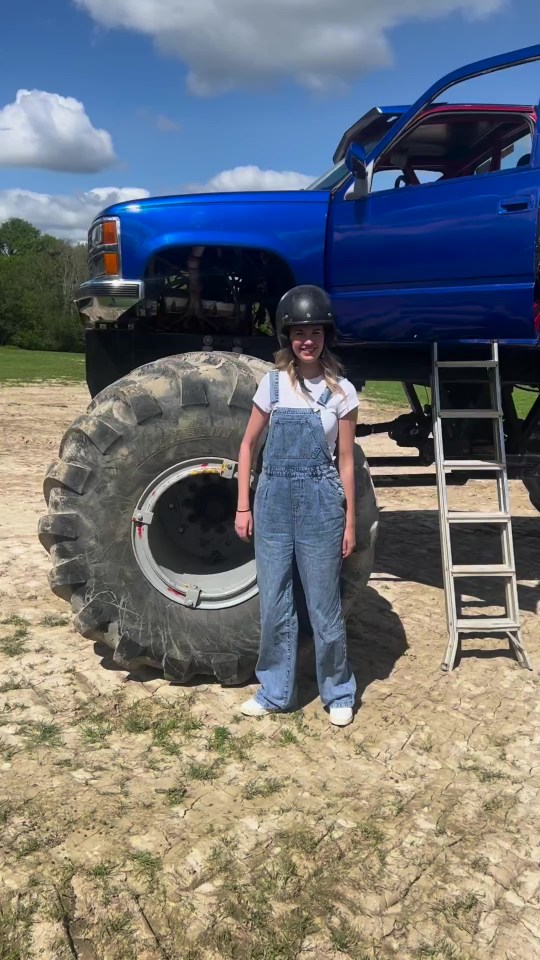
[(190, 199)]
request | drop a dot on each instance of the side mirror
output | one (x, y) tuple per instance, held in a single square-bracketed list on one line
[(356, 160)]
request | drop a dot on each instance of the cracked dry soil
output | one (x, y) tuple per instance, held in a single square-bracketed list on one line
[(149, 821)]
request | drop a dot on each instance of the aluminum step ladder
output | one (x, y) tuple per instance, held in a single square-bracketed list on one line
[(509, 624)]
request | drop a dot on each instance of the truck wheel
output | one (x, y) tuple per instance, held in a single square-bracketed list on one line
[(140, 525)]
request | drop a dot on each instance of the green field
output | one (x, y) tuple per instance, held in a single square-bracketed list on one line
[(392, 394), (27, 366)]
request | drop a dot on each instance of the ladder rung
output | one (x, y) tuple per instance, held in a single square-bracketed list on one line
[(462, 516), (473, 465), (470, 414), (468, 364), (482, 570), (486, 623)]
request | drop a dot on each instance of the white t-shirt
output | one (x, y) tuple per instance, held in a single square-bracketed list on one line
[(338, 406)]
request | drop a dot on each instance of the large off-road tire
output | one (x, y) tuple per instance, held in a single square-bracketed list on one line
[(141, 513)]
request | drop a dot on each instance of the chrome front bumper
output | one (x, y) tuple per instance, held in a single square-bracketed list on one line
[(105, 301)]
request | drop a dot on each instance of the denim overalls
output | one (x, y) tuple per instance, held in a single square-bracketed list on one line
[(300, 513)]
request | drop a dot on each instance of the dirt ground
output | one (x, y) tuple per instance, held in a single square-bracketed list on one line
[(145, 820)]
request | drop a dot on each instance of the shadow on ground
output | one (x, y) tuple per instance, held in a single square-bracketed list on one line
[(409, 549), (375, 638)]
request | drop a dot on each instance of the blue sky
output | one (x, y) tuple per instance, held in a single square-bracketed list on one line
[(272, 118)]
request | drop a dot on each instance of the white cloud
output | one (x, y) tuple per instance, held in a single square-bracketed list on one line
[(251, 178), (68, 217), (52, 132), (233, 43)]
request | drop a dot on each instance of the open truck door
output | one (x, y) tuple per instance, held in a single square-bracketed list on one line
[(448, 216)]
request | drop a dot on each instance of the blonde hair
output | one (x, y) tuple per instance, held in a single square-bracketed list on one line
[(331, 367)]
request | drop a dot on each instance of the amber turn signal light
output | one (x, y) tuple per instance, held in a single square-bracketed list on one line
[(109, 231), (110, 263)]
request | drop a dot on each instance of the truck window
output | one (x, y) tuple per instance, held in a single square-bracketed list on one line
[(449, 144)]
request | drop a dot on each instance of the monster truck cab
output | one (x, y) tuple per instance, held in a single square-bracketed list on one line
[(426, 228)]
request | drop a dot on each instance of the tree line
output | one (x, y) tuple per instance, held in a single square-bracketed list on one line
[(38, 276)]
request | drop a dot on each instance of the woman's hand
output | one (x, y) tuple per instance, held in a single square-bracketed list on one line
[(243, 525), (349, 541)]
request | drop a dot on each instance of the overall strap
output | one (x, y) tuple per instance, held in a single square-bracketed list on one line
[(274, 388), (324, 397)]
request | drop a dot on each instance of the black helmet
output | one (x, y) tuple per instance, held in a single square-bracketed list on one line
[(304, 306)]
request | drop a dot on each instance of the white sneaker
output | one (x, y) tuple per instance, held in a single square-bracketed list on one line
[(252, 708), (341, 716)]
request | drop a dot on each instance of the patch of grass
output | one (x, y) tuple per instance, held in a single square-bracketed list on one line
[(53, 620), (14, 644), (43, 734), (287, 737), (162, 735), (222, 855), (480, 863), (262, 788), (228, 745), (282, 941), (175, 795), (15, 928), (97, 730), (369, 833), (462, 905), (346, 939), (119, 925), (147, 865), (361, 750), (441, 950), (163, 726), (14, 621), (301, 840), (24, 366), (189, 724), (279, 878), (493, 804), (204, 771), (426, 744), (370, 836), (102, 870), (392, 394), (7, 752), (483, 774), (28, 846), (6, 809), (136, 721)]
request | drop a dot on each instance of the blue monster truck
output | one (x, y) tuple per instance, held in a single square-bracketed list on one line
[(425, 229)]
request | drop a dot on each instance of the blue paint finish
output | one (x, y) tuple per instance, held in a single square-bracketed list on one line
[(441, 247), (291, 224), (454, 259)]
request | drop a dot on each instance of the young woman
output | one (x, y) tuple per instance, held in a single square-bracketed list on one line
[(304, 508)]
